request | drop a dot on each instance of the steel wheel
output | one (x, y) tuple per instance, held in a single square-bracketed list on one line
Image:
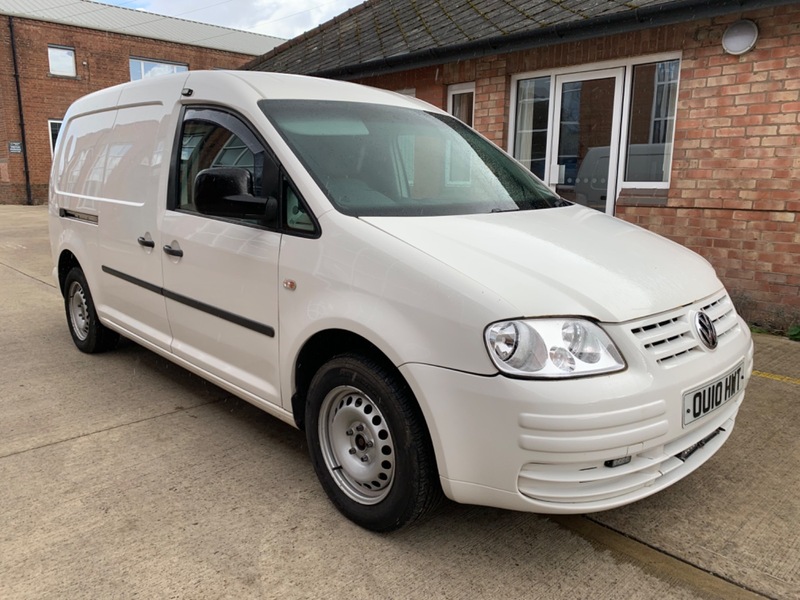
[(88, 333), (356, 445), (369, 444), (78, 310)]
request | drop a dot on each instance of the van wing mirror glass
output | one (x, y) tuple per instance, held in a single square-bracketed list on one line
[(227, 192)]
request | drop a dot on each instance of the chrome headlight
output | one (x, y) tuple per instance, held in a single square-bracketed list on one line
[(551, 348)]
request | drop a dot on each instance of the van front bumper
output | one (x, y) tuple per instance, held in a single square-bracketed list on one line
[(576, 445)]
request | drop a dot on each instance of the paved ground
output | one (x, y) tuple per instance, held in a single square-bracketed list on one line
[(124, 476)]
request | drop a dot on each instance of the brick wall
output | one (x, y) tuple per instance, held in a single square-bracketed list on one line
[(734, 194), (102, 60)]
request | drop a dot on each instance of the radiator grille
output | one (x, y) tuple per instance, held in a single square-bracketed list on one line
[(670, 339)]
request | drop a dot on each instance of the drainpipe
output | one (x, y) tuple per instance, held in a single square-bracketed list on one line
[(28, 192)]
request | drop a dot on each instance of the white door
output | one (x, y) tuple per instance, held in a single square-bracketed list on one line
[(583, 154), (129, 234), (220, 264)]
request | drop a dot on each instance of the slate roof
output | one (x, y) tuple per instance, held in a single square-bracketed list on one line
[(94, 15), (381, 36)]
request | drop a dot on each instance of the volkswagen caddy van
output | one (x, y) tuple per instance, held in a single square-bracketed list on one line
[(370, 270)]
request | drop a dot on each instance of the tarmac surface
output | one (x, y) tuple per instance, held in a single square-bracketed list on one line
[(122, 476)]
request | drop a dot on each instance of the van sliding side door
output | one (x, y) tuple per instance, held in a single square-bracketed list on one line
[(129, 168)]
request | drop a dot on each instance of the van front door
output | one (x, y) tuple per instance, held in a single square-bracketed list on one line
[(220, 263), (586, 140)]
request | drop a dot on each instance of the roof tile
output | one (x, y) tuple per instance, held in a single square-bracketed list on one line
[(369, 34)]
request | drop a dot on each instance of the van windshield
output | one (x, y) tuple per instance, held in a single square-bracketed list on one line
[(376, 160)]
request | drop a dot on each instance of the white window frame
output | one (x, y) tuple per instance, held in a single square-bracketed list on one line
[(50, 123), (627, 93), (74, 73), (461, 88), (617, 74)]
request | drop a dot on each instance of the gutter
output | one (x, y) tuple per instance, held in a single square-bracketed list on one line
[(26, 168), (637, 19)]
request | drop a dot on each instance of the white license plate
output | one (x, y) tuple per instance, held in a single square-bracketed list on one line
[(709, 397)]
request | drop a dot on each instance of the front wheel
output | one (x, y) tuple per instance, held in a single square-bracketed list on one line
[(369, 444), (88, 333)]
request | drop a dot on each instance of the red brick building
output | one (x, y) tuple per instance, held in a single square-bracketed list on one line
[(52, 52), (679, 116)]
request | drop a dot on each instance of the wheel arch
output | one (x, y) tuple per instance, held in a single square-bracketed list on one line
[(318, 350), (323, 346), (66, 261)]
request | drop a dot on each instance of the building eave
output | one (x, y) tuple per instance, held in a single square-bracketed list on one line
[(636, 19)]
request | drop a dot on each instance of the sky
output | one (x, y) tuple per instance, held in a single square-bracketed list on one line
[(280, 18)]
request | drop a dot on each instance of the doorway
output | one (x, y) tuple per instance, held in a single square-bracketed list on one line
[(585, 141)]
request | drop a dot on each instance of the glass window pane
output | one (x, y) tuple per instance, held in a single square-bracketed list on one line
[(62, 61), (235, 154), (207, 146), (533, 107), (141, 68), (297, 217), (379, 160), (405, 151), (462, 107), (55, 127), (652, 121), (200, 149), (585, 136)]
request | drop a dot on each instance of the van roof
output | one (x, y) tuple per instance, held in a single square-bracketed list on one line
[(297, 87), (270, 86)]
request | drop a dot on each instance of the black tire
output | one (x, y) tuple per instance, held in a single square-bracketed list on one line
[(369, 444), (88, 333)]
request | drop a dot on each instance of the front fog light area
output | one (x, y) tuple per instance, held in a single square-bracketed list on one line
[(552, 348)]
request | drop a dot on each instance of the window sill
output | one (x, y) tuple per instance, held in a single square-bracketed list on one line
[(643, 197)]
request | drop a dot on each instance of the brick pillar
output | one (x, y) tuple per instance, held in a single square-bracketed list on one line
[(491, 98)]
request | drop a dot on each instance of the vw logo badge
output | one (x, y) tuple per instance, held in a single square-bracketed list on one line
[(706, 330)]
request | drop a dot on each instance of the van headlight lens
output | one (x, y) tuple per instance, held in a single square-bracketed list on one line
[(552, 348)]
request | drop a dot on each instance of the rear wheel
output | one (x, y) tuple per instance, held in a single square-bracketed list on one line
[(369, 444), (88, 333)]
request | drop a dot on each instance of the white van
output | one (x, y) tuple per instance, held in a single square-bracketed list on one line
[(365, 267)]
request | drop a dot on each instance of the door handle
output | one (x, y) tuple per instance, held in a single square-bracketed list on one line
[(173, 251), (145, 242)]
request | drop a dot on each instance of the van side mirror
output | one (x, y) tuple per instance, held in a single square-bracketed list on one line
[(227, 192)]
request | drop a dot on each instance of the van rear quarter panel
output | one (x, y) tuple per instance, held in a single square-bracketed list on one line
[(86, 126), (112, 163)]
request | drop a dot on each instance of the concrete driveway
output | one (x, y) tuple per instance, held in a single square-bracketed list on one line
[(122, 475)]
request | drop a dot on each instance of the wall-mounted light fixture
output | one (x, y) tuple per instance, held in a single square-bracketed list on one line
[(740, 37)]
